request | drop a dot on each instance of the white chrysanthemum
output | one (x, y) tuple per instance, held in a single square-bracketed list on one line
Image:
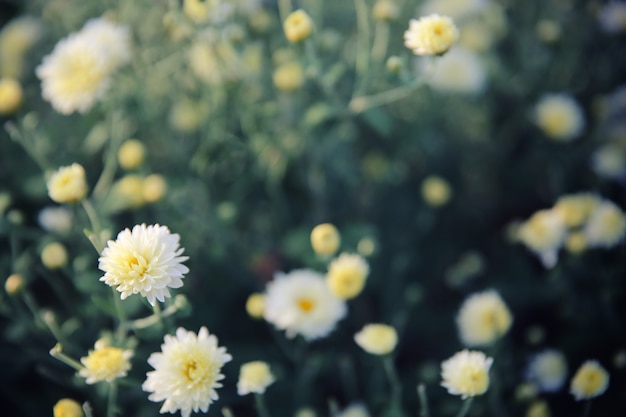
[(456, 9), (186, 372), (560, 117), (544, 233), (609, 161), (68, 184), (605, 226), (254, 377), (111, 39), (590, 381), (483, 318), (300, 302), (74, 76), (56, 219), (466, 373), (105, 363), (458, 71), (547, 370), (144, 261), (431, 35)]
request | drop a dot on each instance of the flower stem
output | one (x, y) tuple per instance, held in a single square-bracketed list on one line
[(421, 393), (112, 400), (381, 41), (122, 326), (362, 103), (260, 405), (57, 353), (466, 406), (284, 8), (96, 227), (394, 382), (362, 47)]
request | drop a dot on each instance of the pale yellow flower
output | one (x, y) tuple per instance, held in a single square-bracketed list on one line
[(386, 10), (346, 275), (54, 255), (17, 37), (466, 373), (199, 11), (105, 363), (431, 35), (127, 192), (544, 233), (154, 188), (255, 305), (288, 77), (298, 26), (547, 370), (68, 184), (14, 284), (377, 339), (483, 319), (576, 242), (254, 377), (574, 209), (131, 154), (606, 225), (67, 407), (436, 191), (590, 381), (325, 239), (559, 116), (538, 409), (186, 372), (10, 96)]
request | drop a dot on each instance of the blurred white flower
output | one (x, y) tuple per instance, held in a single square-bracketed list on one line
[(254, 377), (544, 233), (605, 226), (186, 372), (111, 39), (560, 117), (612, 17), (458, 71), (609, 161), (466, 373), (56, 219), (431, 35), (547, 370), (483, 318), (300, 302), (144, 261)]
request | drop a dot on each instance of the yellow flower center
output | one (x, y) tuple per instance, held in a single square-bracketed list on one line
[(306, 304), (191, 370), (137, 266)]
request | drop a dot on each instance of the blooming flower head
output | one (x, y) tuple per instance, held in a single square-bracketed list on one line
[(606, 225), (145, 260), (431, 35), (559, 116), (325, 239), (186, 372), (483, 318), (436, 191), (67, 407), (301, 303), (547, 370), (575, 208), (298, 26), (346, 275), (68, 184), (377, 339), (254, 377), (543, 233), (590, 381), (105, 363), (74, 76), (54, 255), (131, 154), (112, 41), (466, 373)]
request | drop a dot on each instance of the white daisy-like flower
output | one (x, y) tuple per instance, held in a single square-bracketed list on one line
[(458, 71), (113, 40), (606, 225), (431, 35), (483, 318), (105, 363), (144, 261), (74, 76), (300, 302), (186, 372), (547, 370), (466, 373), (254, 377)]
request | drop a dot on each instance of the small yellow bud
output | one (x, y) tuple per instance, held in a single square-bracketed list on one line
[(68, 184), (346, 275), (67, 408), (377, 339), (255, 305), (154, 188), (14, 284), (54, 255), (538, 409), (394, 64), (590, 381), (129, 191), (10, 96), (436, 191), (548, 31), (289, 77), (325, 239), (576, 242), (131, 154), (385, 11), (298, 26)]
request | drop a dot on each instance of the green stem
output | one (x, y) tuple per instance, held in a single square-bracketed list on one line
[(154, 318), (284, 8), (96, 227), (421, 393), (362, 45), (57, 353), (259, 401), (466, 406), (362, 103), (112, 400), (87, 409), (122, 326), (110, 162), (381, 41), (394, 382)]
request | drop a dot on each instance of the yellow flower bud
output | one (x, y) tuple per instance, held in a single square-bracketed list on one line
[(54, 256), (129, 191), (10, 96), (289, 77), (154, 188), (197, 10), (385, 11), (298, 26), (436, 191), (377, 339), (346, 275), (68, 184), (67, 408), (325, 239), (255, 305), (14, 284), (394, 64), (131, 154)]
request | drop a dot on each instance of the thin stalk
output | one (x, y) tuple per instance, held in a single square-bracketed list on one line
[(96, 227), (110, 163), (261, 407), (394, 382), (466, 406), (421, 393), (284, 8), (154, 318), (381, 41), (112, 399), (122, 326), (362, 45), (57, 353), (362, 103)]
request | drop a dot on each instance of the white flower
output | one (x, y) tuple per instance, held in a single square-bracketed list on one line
[(547, 370), (483, 319), (544, 233), (431, 35), (458, 71), (56, 219), (606, 225), (466, 373), (186, 372), (111, 39), (609, 161), (254, 377), (144, 261), (74, 76), (560, 117), (301, 303), (377, 338), (105, 363)]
